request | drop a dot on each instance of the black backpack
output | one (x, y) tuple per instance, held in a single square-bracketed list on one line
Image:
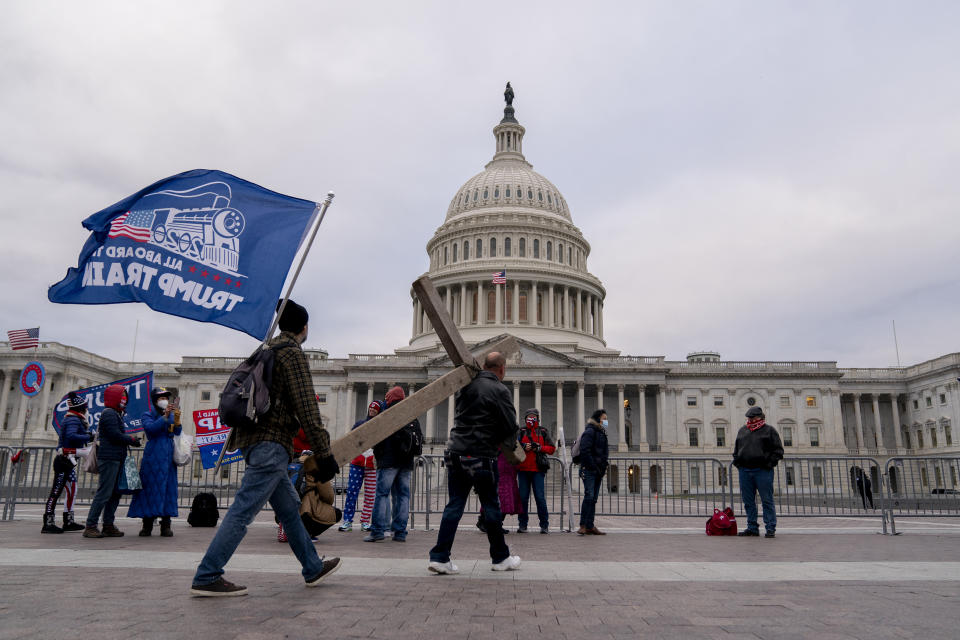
[(411, 441), (246, 398), (204, 511)]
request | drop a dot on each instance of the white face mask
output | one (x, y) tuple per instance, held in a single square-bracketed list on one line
[(606, 423), (162, 403)]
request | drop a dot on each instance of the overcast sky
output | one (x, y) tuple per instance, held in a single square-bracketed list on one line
[(771, 180)]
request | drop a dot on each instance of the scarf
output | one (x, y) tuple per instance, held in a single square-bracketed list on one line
[(755, 423)]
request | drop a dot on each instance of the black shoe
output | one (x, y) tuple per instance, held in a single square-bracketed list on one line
[(521, 529), (544, 530), (329, 566), (770, 534), (69, 524), (482, 526), (749, 533), (219, 588), (50, 524)]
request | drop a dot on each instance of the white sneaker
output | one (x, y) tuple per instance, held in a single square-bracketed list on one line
[(443, 568), (511, 563)]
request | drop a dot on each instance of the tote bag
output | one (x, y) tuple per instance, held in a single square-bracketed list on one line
[(129, 481), (182, 449)]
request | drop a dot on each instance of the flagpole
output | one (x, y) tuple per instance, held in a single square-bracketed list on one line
[(323, 206)]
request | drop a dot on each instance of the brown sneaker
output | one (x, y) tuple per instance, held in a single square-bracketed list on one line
[(595, 532), (111, 531), (329, 566), (220, 588), (582, 531), (92, 532)]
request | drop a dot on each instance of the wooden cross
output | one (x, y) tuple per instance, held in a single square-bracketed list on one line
[(396, 417)]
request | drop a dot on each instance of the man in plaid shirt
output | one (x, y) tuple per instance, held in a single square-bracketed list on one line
[(267, 450)]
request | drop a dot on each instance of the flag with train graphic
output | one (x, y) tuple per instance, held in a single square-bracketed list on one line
[(202, 244)]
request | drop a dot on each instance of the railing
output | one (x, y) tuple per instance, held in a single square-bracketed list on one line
[(920, 486)]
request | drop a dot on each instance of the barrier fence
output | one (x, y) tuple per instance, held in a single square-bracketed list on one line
[(843, 486)]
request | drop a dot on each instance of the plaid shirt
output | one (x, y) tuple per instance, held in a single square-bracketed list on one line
[(293, 403)]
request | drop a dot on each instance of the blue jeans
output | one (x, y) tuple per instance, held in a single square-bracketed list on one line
[(753, 481), (106, 499), (524, 480), (464, 473), (591, 491), (265, 478), (395, 482)]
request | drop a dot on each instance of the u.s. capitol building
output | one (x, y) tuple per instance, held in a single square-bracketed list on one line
[(510, 217)]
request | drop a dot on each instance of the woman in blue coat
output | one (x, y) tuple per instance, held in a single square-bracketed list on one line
[(158, 473)]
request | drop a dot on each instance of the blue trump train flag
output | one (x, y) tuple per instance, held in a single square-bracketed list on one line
[(203, 245), (138, 402)]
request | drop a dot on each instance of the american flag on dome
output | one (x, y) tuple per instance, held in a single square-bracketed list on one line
[(500, 277), (132, 224), (24, 338)]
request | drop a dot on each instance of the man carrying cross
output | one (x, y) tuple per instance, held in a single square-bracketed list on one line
[(485, 422)]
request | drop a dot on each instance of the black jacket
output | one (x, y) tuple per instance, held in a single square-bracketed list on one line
[(388, 452), (113, 441), (485, 418), (594, 450), (760, 449)]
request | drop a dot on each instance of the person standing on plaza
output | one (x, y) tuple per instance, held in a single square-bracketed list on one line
[(73, 435), (111, 452), (594, 454), (394, 456), (363, 473), (756, 453), (485, 422), (158, 472), (268, 449), (537, 444)]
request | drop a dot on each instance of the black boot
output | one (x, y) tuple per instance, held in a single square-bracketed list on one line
[(50, 524), (69, 524), (165, 529), (147, 528)]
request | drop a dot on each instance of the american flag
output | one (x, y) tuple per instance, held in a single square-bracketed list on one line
[(500, 277), (24, 338), (132, 224)]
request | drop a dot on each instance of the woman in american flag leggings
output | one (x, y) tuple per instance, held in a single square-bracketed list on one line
[(362, 473)]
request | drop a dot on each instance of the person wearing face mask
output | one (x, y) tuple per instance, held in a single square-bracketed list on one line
[(74, 435), (594, 453), (158, 472), (111, 452)]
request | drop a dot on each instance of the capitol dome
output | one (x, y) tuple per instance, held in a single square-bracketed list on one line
[(509, 218)]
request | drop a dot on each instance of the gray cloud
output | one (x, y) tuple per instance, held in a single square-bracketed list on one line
[(771, 180)]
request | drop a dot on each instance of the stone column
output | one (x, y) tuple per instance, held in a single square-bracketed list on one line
[(463, 304), (411, 389), (448, 301), (369, 397), (643, 413), (498, 306), (567, 324), (877, 427), (579, 312), (21, 413), (861, 443), (537, 384), (550, 316), (838, 419), (661, 416), (415, 315), (897, 428), (516, 399), (5, 396), (600, 397), (351, 413), (451, 412), (622, 428), (559, 402), (481, 303), (515, 307), (600, 313), (431, 430), (581, 417), (532, 307)]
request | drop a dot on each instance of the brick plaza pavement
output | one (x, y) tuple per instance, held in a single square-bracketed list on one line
[(652, 578)]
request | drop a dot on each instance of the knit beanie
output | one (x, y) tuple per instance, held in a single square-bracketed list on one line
[(294, 317), (395, 395), (75, 402)]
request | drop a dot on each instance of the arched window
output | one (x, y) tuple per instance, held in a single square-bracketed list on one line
[(466, 249), (491, 306), (456, 246), (569, 256), (523, 248), (506, 247), (530, 194), (549, 250), (536, 248), (549, 199), (496, 192), (486, 192), (479, 248), (493, 247), (540, 196), (476, 193), (560, 253), (444, 255), (508, 192)]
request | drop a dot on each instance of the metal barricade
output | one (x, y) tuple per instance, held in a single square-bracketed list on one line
[(922, 487), (847, 486)]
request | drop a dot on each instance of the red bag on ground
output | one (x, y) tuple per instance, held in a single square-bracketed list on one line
[(722, 523)]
